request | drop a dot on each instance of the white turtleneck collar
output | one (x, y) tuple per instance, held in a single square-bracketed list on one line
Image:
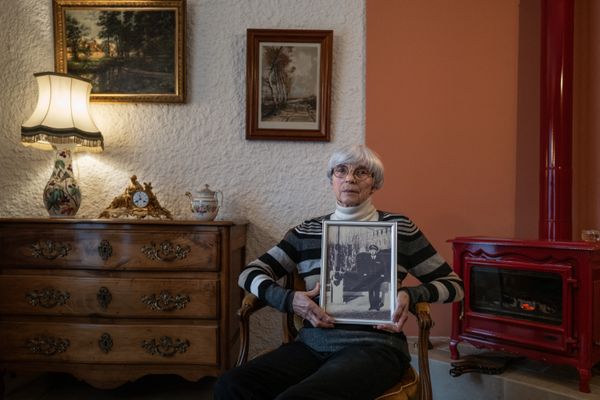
[(363, 212)]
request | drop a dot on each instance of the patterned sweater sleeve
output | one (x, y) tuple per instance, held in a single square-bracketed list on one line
[(439, 284), (260, 276)]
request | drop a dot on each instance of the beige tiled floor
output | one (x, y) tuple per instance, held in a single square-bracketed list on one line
[(65, 387), (523, 380)]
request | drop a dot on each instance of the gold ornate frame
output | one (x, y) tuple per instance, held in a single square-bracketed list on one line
[(256, 128), (177, 95)]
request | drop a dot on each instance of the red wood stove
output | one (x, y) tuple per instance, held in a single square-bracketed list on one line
[(539, 299)]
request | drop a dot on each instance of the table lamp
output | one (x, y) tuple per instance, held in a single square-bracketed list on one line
[(61, 122)]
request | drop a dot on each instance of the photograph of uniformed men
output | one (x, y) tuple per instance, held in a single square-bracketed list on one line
[(358, 273)]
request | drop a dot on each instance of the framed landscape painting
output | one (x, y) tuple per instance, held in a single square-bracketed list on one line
[(131, 50), (358, 276), (288, 84)]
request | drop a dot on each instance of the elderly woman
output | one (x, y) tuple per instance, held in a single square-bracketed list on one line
[(327, 360)]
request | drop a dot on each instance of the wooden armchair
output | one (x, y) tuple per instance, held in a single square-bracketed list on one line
[(411, 386)]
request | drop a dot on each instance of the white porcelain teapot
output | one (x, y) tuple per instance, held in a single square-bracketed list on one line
[(206, 204)]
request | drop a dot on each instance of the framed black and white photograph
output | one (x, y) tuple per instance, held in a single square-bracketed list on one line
[(131, 51), (288, 84), (358, 279)]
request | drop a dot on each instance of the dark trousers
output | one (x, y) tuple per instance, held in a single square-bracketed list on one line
[(375, 296), (294, 371)]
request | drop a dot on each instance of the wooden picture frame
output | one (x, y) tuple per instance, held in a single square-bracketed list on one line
[(131, 50), (359, 271), (288, 84)]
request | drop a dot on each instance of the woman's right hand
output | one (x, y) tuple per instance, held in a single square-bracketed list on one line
[(306, 308)]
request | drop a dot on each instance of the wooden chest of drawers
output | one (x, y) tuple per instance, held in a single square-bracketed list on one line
[(112, 300)]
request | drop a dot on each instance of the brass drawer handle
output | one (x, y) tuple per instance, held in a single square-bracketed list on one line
[(105, 250), (165, 301), (49, 249), (165, 251), (166, 347), (47, 297), (104, 297), (47, 345), (105, 343)]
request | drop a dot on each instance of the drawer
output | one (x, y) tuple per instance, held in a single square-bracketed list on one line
[(110, 297), (516, 331), (65, 247), (109, 344)]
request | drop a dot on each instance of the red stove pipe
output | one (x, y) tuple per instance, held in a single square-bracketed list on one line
[(556, 115)]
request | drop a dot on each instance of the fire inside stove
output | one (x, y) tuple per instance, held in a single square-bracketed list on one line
[(531, 295), (528, 307)]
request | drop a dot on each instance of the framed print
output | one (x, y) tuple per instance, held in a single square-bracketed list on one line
[(358, 277), (131, 50), (288, 84)]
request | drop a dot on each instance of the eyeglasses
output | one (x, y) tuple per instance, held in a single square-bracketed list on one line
[(360, 173)]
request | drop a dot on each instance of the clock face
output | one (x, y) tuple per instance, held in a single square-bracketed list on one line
[(140, 199)]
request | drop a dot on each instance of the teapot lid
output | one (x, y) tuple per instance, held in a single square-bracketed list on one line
[(206, 191)]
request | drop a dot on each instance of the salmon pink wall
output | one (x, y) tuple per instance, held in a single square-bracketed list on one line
[(586, 117), (441, 111)]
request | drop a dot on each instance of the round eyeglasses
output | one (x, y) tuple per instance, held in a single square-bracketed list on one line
[(359, 173)]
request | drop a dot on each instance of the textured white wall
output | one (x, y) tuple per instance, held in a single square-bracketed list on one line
[(272, 185)]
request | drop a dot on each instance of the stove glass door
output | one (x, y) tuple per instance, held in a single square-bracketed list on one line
[(522, 294)]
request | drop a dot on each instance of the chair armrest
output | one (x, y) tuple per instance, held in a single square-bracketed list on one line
[(423, 313), (250, 304)]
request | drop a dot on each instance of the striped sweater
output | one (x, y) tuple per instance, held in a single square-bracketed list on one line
[(301, 249)]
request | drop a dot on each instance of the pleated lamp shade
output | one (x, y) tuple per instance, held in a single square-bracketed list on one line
[(62, 115)]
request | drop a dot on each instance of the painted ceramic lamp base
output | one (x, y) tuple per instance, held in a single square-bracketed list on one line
[(62, 196)]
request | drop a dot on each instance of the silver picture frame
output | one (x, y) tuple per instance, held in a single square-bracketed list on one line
[(359, 271)]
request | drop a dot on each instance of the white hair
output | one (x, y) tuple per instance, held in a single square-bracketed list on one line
[(358, 155)]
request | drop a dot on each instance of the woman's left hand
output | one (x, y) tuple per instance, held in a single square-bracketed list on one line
[(400, 315)]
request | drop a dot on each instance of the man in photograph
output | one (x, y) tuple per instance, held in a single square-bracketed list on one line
[(372, 268)]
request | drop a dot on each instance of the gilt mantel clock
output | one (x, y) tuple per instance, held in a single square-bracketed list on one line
[(137, 201)]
